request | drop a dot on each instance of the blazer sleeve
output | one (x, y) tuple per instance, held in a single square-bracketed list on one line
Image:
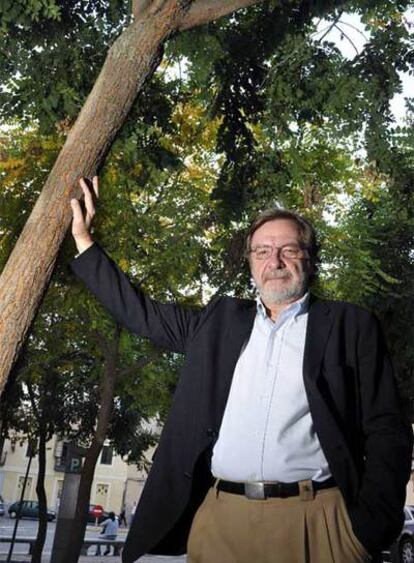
[(167, 325), (387, 436)]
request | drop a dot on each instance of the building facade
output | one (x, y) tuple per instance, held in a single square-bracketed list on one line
[(116, 484)]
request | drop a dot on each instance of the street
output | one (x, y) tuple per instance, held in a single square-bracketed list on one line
[(29, 528)]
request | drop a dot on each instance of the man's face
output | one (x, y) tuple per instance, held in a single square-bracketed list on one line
[(279, 280)]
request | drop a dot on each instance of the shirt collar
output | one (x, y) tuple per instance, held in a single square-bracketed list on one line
[(299, 307)]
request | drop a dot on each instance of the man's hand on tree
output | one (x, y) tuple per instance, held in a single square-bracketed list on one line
[(82, 218)]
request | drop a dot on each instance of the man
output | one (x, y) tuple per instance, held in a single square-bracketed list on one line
[(285, 442), (109, 531), (133, 509), (122, 516)]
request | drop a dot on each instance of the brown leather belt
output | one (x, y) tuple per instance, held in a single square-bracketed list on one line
[(260, 490)]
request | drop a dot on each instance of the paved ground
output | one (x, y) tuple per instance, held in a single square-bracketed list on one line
[(91, 559), (29, 528)]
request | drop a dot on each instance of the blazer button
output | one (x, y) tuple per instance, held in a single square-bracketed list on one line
[(211, 433), (188, 475)]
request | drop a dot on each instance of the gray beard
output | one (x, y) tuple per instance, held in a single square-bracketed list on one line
[(295, 290)]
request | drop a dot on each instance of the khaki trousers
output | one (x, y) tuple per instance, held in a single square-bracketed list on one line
[(310, 528)]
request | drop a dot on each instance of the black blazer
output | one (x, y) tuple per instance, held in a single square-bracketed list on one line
[(349, 384)]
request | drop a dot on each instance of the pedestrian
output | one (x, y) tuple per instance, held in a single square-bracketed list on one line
[(109, 531), (285, 440), (122, 518), (132, 514)]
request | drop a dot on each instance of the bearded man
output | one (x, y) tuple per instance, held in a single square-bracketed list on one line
[(285, 441)]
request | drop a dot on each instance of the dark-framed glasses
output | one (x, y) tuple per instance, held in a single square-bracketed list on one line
[(288, 251)]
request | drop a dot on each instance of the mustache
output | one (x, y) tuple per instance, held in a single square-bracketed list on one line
[(277, 275)]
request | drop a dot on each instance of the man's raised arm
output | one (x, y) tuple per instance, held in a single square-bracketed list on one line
[(167, 325)]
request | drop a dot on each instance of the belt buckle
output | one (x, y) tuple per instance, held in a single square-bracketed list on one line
[(255, 490)]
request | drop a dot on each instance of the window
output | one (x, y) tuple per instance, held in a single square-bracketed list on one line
[(61, 453), (102, 492), (28, 488), (106, 456)]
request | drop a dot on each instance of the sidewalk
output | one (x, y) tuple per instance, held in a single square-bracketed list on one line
[(101, 559), (23, 558)]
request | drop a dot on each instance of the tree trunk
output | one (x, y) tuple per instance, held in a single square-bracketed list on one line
[(131, 60), (41, 497), (77, 531)]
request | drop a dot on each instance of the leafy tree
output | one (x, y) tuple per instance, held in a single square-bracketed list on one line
[(132, 58), (264, 112), (94, 362)]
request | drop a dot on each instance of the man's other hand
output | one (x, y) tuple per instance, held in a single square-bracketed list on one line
[(82, 218)]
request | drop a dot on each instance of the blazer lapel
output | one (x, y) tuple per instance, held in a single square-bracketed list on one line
[(317, 333)]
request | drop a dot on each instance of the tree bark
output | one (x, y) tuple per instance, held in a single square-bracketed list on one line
[(111, 374), (107, 388), (131, 60), (204, 11)]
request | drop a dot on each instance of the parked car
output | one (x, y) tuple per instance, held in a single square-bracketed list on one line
[(29, 509), (96, 512), (402, 550)]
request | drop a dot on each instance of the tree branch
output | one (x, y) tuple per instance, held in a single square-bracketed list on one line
[(205, 11), (355, 29), (141, 364), (33, 401), (139, 7), (330, 27), (103, 342), (142, 9), (347, 37)]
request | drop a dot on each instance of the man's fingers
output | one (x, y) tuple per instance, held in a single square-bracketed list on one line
[(89, 204), (84, 211), (86, 187), (76, 209), (78, 218), (95, 184)]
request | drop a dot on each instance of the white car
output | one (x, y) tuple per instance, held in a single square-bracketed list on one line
[(402, 550)]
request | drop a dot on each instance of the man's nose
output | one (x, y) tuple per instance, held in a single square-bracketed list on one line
[(275, 258)]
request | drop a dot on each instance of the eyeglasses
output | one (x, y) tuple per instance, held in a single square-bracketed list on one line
[(288, 252)]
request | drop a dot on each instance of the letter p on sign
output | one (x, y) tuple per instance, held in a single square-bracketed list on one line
[(75, 465)]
